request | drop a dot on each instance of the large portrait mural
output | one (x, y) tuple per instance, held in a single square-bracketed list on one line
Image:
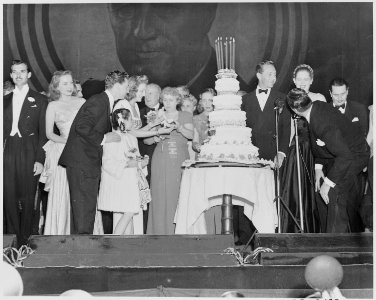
[(174, 43)]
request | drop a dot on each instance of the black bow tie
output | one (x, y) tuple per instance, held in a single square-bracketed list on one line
[(262, 91), (343, 106), (153, 109)]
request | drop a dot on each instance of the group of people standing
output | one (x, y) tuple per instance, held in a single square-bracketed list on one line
[(110, 166), (332, 150)]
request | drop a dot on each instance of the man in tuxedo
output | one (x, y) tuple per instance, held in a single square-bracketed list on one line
[(259, 106), (24, 135), (82, 155), (339, 145), (152, 94), (356, 112)]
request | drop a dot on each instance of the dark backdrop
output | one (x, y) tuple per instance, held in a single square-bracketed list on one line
[(336, 39)]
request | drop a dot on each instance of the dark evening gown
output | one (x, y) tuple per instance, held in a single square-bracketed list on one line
[(289, 185)]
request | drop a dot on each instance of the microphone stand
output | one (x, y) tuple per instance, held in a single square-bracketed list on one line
[(299, 178), (277, 169), (279, 199), (278, 196)]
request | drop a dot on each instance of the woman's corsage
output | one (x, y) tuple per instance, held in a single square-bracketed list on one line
[(151, 116)]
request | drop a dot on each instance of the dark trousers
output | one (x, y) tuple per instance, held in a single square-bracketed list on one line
[(83, 188), (342, 212), (243, 227), (107, 220), (20, 187)]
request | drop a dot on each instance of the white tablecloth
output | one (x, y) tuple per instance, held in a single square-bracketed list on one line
[(202, 188)]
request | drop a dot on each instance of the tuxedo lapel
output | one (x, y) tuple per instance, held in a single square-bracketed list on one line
[(8, 109), (26, 106), (108, 113)]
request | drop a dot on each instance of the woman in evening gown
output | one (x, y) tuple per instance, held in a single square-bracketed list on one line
[(303, 78), (60, 111), (168, 157)]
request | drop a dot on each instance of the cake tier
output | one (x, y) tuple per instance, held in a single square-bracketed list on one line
[(231, 136), (227, 101), (227, 118), (235, 153), (227, 85)]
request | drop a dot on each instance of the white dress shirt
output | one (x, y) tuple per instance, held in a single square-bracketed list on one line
[(262, 97), (342, 110), (17, 102)]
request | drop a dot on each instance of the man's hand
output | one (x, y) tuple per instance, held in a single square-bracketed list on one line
[(318, 175), (112, 137), (38, 168), (280, 157), (324, 190)]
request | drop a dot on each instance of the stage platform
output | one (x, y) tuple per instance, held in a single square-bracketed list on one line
[(191, 265)]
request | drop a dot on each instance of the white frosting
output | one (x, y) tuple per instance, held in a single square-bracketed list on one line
[(231, 140), (231, 135), (227, 101), (227, 118), (245, 153), (227, 85)]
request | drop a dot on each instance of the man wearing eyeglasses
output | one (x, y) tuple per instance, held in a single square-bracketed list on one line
[(82, 155)]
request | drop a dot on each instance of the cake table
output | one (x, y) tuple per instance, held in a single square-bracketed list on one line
[(206, 185)]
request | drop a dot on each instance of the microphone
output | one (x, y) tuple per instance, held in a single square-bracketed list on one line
[(279, 104)]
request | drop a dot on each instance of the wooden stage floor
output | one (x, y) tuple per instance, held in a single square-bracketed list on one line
[(191, 265)]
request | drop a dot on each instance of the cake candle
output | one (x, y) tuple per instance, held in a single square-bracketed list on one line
[(226, 49), (230, 53), (221, 51), (233, 50), (216, 52)]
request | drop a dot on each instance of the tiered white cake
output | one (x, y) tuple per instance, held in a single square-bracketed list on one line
[(232, 139)]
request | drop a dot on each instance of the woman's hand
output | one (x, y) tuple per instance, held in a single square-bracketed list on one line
[(145, 161), (132, 163), (165, 130), (196, 147)]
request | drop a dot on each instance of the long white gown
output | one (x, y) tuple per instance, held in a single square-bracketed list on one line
[(55, 177)]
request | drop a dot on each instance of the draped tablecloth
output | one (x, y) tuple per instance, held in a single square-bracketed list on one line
[(203, 188)]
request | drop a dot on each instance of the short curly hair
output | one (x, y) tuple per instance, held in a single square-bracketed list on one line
[(134, 82), (125, 113), (298, 99), (171, 91), (115, 77)]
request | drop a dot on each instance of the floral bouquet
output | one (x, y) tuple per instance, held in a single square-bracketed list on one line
[(167, 123), (151, 116), (132, 154)]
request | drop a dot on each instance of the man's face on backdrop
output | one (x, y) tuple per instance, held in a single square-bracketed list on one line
[(153, 39)]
